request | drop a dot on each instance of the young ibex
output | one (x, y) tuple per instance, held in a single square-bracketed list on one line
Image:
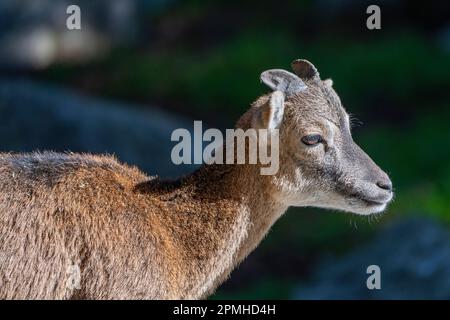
[(77, 226)]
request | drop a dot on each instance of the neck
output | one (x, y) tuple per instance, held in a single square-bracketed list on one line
[(244, 212), (262, 208)]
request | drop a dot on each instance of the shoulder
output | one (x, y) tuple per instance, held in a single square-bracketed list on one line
[(55, 161), (51, 167)]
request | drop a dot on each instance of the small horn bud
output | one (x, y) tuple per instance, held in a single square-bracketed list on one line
[(305, 69)]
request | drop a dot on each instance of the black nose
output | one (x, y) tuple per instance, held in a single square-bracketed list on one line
[(386, 185)]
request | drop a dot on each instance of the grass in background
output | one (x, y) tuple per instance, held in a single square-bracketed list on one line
[(226, 78)]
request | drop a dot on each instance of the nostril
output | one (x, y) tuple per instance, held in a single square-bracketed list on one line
[(386, 185)]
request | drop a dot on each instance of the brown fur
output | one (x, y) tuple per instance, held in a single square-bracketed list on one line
[(133, 236)]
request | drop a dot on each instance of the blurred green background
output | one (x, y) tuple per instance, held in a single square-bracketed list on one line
[(202, 60)]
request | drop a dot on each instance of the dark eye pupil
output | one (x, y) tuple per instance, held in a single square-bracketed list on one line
[(312, 139)]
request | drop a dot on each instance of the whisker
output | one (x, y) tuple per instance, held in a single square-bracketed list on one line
[(354, 121)]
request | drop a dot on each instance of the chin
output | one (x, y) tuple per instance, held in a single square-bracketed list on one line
[(354, 205), (369, 209), (366, 207), (358, 206)]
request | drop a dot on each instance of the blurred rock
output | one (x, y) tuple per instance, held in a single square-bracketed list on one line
[(37, 116), (414, 258), (33, 33)]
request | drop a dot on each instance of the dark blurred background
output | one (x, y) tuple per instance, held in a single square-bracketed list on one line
[(140, 68)]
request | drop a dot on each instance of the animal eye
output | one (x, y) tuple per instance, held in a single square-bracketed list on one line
[(312, 139)]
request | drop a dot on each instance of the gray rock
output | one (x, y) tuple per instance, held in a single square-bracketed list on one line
[(414, 258), (42, 117), (34, 35)]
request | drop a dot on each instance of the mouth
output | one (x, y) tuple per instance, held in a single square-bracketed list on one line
[(369, 205), (379, 200), (373, 203)]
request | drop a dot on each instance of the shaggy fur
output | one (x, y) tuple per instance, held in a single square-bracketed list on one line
[(132, 236), (138, 237)]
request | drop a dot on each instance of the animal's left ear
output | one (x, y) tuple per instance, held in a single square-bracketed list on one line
[(270, 115)]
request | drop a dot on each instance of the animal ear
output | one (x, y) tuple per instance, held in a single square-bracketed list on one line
[(305, 69), (270, 115), (328, 82), (282, 80)]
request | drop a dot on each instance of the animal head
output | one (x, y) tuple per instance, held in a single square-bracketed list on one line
[(320, 164)]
